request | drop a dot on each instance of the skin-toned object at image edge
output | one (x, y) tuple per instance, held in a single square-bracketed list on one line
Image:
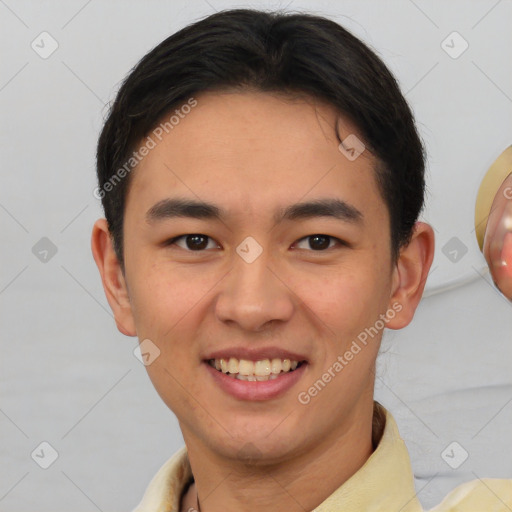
[(493, 221)]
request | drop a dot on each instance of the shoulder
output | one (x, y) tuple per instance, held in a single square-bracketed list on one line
[(165, 489), (485, 494)]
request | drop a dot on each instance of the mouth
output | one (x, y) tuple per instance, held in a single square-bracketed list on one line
[(259, 380), (255, 371)]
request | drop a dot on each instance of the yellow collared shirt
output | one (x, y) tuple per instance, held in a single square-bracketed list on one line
[(384, 483)]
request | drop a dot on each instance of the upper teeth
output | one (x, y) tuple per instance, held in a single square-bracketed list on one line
[(260, 368)]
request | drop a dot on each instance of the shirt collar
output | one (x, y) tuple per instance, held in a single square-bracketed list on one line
[(385, 481)]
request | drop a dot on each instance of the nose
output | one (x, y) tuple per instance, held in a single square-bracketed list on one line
[(254, 295)]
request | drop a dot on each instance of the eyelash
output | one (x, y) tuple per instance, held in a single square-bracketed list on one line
[(172, 241)]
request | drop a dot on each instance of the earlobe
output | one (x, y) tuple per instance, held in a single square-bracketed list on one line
[(112, 277), (410, 274)]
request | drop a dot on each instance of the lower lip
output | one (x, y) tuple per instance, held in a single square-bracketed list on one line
[(256, 390)]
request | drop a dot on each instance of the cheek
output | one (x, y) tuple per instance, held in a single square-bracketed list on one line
[(164, 298), (344, 299), (167, 305)]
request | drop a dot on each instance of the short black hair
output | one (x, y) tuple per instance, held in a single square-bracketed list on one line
[(274, 52)]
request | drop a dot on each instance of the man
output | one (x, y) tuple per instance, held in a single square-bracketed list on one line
[(262, 177)]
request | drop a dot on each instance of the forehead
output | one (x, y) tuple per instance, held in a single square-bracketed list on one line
[(254, 151)]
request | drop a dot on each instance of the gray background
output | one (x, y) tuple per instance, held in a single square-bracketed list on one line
[(69, 378)]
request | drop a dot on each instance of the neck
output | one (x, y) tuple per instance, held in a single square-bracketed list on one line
[(295, 484)]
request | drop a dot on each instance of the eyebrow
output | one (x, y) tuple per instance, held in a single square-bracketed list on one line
[(326, 207)]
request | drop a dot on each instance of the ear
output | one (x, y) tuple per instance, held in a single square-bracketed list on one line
[(410, 275), (112, 277)]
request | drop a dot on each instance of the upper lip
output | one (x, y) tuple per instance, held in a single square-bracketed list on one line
[(256, 354)]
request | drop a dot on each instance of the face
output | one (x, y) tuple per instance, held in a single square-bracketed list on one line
[(254, 276)]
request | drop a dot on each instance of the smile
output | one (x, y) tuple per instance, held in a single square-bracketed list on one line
[(262, 370)]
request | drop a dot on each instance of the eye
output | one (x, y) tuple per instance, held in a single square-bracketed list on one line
[(320, 242), (193, 242)]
